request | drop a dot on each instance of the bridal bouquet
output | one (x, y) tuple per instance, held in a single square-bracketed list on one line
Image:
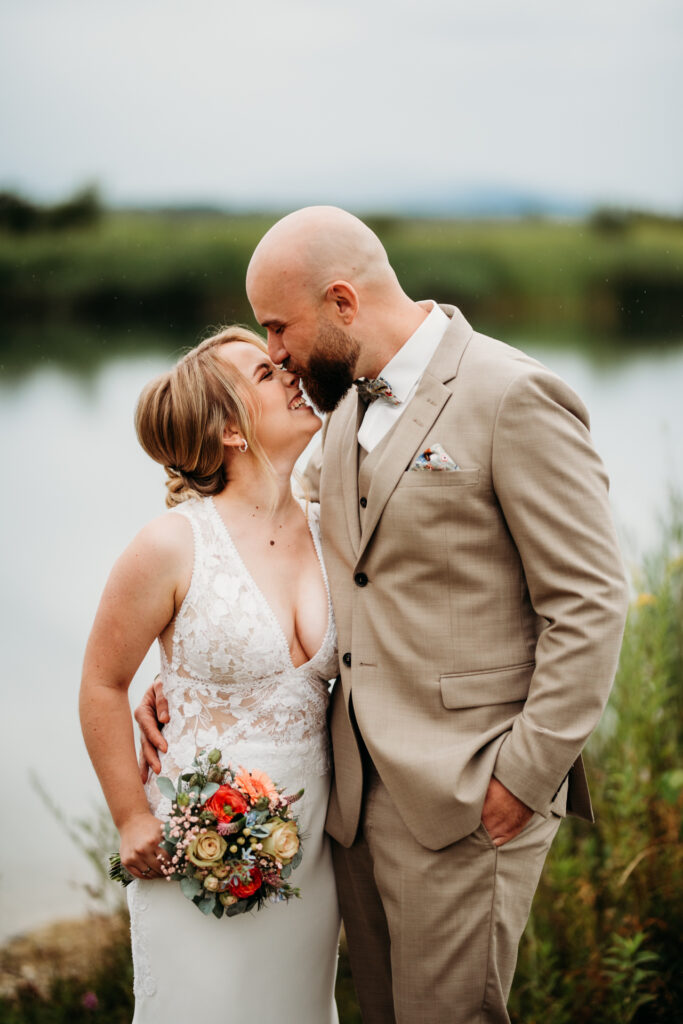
[(232, 839)]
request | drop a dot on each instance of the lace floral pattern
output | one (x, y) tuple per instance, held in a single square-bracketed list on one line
[(144, 983), (231, 682)]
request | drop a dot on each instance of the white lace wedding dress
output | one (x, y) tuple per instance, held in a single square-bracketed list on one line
[(231, 684)]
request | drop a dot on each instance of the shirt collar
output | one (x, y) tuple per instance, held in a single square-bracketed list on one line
[(404, 370)]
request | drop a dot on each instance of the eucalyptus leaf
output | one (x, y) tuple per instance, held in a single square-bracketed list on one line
[(190, 887), (297, 858), (218, 910), (207, 904), (166, 787), (286, 871), (209, 789), (235, 909)]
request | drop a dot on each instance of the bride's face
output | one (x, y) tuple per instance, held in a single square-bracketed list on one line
[(285, 421)]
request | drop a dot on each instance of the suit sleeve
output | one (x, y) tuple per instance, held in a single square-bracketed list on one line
[(553, 491)]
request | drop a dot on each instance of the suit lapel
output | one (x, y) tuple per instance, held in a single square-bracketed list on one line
[(348, 458), (406, 436)]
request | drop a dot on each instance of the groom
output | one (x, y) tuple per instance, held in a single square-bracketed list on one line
[(480, 600)]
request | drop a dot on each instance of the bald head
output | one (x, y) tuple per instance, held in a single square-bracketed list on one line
[(321, 284), (313, 247)]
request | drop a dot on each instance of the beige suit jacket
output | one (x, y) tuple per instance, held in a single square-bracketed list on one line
[(480, 612)]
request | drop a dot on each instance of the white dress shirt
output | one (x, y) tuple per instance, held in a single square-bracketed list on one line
[(403, 374)]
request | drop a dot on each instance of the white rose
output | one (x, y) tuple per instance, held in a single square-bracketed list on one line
[(283, 841)]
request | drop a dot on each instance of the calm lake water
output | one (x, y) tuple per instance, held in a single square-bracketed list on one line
[(77, 489)]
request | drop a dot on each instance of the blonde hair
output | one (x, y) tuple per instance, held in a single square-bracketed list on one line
[(182, 414)]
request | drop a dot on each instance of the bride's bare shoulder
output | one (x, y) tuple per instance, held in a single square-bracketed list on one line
[(165, 541), (167, 529)]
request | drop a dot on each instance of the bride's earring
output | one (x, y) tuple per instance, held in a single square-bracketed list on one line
[(244, 446)]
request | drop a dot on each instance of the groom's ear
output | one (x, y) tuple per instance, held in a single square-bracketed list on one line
[(344, 298)]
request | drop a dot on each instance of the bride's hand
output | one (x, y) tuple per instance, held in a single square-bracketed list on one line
[(150, 714), (139, 848)]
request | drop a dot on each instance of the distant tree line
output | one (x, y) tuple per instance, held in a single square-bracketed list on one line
[(615, 220), (616, 273), (20, 216)]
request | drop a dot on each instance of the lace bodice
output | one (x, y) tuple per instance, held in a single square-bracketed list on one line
[(231, 682)]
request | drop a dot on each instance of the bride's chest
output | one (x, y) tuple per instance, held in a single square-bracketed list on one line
[(223, 632)]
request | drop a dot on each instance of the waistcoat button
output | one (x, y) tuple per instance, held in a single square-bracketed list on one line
[(361, 579), (347, 660)]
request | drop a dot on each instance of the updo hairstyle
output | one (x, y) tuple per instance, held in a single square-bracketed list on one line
[(182, 414)]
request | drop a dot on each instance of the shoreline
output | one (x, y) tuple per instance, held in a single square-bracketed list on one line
[(65, 948)]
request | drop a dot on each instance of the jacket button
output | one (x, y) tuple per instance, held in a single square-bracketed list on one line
[(361, 579), (347, 660), (363, 502)]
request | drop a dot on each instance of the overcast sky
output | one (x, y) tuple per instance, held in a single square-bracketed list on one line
[(362, 103)]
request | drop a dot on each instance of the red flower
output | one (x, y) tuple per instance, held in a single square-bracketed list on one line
[(242, 889), (226, 803)]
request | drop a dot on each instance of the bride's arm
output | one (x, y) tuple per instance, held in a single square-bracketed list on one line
[(142, 594)]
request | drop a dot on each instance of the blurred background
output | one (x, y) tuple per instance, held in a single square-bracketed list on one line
[(519, 160)]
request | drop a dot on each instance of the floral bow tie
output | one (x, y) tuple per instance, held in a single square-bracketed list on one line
[(369, 390)]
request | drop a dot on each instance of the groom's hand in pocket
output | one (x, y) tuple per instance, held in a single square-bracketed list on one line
[(503, 814), (152, 714)]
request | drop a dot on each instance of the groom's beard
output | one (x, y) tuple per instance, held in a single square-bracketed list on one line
[(331, 367)]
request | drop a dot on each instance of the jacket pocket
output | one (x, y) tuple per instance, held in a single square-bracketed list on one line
[(439, 478), (491, 686)]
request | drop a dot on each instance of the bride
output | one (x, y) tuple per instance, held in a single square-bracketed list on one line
[(232, 584)]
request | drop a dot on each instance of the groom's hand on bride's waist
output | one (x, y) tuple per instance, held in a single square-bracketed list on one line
[(503, 814), (151, 714)]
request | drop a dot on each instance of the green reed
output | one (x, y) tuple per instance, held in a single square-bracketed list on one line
[(603, 943), (163, 270)]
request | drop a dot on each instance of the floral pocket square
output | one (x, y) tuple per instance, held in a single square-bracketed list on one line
[(435, 458)]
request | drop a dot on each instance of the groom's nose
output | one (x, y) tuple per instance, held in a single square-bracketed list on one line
[(276, 350)]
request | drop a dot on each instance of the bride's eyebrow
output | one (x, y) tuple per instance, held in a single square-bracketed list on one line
[(262, 366)]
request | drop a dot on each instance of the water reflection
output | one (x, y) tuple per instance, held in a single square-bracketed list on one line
[(84, 350)]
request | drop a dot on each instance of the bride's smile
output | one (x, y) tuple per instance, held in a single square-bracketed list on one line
[(284, 421)]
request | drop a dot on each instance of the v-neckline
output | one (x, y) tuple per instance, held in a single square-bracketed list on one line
[(316, 547)]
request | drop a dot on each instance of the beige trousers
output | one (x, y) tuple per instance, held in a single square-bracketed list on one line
[(433, 936)]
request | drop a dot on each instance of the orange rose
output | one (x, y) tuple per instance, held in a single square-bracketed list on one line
[(226, 803), (256, 785), (242, 889)]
